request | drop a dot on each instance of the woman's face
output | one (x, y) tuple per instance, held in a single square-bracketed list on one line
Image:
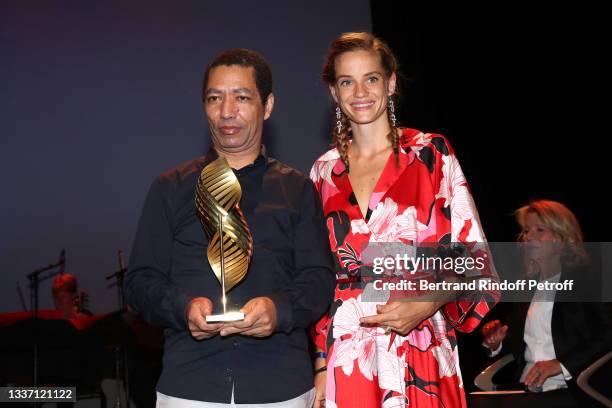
[(541, 244), (361, 89), (535, 230)]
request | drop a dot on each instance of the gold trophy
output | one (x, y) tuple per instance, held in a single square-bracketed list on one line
[(230, 244)]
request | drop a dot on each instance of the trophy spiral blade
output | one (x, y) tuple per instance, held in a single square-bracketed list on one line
[(217, 196)]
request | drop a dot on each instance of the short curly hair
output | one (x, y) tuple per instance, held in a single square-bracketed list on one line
[(247, 59)]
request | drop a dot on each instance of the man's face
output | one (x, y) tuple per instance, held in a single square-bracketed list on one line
[(234, 109)]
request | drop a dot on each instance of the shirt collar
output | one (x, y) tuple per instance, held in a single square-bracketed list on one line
[(260, 160)]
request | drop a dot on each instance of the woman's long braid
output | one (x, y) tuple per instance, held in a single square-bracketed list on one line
[(341, 137), (393, 136)]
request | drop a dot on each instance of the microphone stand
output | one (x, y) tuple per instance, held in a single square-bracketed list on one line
[(35, 278), (121, 357)]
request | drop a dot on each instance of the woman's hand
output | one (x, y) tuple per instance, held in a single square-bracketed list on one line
[(319, 383), (401, 317), (493, 333), (540, 372)]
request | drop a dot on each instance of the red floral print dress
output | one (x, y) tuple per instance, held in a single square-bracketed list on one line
[(421, 198)]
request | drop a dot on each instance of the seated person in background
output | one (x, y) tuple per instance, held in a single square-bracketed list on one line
[(66, 297), (552, 342)]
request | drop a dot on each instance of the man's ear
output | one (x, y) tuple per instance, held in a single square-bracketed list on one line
[(268, 106)]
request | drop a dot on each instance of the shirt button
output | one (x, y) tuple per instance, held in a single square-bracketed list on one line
[(236, 344), (228, 375)]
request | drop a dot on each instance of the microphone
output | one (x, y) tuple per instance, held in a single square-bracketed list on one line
[(62, 262)]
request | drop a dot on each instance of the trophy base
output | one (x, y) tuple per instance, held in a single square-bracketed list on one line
[(226, 317)]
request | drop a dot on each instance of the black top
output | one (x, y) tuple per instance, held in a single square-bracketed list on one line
[(291, 264), (581, 330)]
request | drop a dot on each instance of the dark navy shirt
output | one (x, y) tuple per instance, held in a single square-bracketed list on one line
[(291, 264)]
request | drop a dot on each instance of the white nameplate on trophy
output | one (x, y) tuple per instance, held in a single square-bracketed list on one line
[(226, 317)]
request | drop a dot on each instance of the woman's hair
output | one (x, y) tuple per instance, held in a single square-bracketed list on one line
[(561, 222), (356, 42)]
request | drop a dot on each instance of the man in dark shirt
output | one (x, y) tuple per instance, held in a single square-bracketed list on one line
[(290, 281)]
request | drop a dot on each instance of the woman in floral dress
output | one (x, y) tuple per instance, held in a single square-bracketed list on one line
[(385, 184)]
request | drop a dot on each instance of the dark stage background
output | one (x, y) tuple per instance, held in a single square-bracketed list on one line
[(515, 86)]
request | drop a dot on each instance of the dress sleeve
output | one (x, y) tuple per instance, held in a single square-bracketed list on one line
[(315, 176), (467, 311)]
